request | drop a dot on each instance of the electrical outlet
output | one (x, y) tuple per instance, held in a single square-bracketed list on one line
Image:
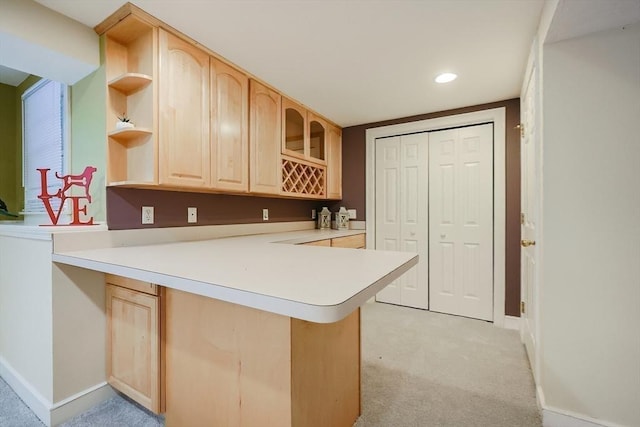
[(265, 214), (313, 214), (352, 213), (147, 214), (192, 215)]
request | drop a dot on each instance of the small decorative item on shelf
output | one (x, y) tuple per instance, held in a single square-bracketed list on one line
[(342, 219), (324, 219), (124, 122)]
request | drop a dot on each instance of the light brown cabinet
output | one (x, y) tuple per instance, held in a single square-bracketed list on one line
[(184, 113), (356, 241), (231, 365), (264, 137), (201, 125), (304, 170), (131, 71), (133, 340), (229, 128)]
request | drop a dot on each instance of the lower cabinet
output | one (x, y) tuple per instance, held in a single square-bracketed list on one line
[(202, 361), (356, 241), (133, 340), (230, 365)]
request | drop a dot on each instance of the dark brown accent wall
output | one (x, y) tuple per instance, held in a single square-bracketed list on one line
[(124, 206), (353, 182)]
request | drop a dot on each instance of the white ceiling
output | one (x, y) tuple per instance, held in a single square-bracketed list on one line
[(357, 61), (360, 61), (11, 77)]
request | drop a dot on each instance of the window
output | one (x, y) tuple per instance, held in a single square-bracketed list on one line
[(44, 129)]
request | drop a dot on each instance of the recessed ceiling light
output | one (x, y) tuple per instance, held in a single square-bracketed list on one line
[(446, 77)]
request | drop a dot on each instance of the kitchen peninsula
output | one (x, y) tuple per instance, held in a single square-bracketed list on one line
[(259, 329)]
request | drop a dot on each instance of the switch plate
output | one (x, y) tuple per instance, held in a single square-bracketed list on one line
[(265, 214), (147, 214), (313, 214), (192, 215), (352, 213)]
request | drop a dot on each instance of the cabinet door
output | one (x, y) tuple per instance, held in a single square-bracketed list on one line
[(265, 139), (317, 138), (294, 129), (133, 345), (184, 113), (334, 163), (229, 128)]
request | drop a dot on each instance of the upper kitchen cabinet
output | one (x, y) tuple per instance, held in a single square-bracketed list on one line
[(202, 124), (304, 169), (184, 113), (265, 139), (229, 128), (131, 70), (304, 133)]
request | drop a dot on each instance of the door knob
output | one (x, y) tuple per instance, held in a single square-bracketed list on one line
[(526, 243)]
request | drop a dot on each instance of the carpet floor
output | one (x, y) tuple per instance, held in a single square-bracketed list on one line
[(419, 369)]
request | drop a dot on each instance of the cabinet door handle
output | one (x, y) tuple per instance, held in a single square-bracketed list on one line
[(526, 243)]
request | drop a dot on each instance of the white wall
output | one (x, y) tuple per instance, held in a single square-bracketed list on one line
[(590, 302), (25, 312)]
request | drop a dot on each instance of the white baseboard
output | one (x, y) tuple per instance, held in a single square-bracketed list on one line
[(511, 322), (25, 391), (53, 414), (80, 402), (554, 417)]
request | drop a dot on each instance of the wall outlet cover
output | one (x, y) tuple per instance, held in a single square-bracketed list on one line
[(265, 214), (192, 215), (352, 213), (147, 215)]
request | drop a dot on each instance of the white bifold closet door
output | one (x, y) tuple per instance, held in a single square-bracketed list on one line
[(401, 213), (461, 221)]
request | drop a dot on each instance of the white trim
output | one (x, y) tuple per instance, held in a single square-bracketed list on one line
[(80, 402), (495, 115), (39, 404), (558, 418), (53, 414), (511, 322), (555, 417)]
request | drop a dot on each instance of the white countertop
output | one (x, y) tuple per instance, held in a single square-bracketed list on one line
[(265, 271)]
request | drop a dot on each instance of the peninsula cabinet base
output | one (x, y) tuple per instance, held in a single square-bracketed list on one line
[(230, 365)]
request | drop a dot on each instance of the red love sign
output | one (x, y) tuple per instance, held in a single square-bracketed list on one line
[(68, 181)]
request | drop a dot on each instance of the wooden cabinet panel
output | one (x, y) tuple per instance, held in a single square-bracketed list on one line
[(325, 242), (334, 163), (265, 139), (133, 345), (230, 365), (229, 128), (325, 372), (356, 241), (184, 113), (227, 365)]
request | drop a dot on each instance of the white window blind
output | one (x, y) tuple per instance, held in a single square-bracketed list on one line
[(44, 110)]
